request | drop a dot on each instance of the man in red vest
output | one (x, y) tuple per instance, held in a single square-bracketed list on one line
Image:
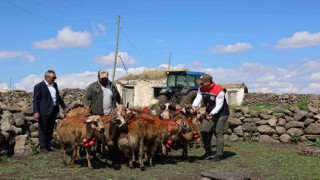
[(218, 111)]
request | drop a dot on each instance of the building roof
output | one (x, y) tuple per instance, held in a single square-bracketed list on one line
[(230, 86), (146, 75)]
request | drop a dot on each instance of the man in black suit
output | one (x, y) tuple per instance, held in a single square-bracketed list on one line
[(46, 102)]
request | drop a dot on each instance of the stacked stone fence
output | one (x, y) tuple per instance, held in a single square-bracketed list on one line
[(17, 123), (18, 126), (275, 126), (277, 99)]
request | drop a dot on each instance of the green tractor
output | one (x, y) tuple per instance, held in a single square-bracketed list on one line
[(181, 87)]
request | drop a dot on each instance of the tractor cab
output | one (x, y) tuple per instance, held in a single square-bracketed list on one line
[(181, 87)]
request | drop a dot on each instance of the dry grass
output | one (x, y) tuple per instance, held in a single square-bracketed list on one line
[(146, 75), (149, 75), (5, 90), (230, 86)]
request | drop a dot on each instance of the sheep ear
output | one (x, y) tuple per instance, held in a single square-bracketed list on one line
[(90, 119), (87, 122)]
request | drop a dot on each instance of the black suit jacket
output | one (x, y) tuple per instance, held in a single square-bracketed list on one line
[(42, 100)]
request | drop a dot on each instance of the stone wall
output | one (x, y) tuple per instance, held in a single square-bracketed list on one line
[(17, 124), (277, 99), (275, 125)]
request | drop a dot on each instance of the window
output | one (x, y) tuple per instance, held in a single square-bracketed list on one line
[(181, 80), (171, 80), (192, 81)]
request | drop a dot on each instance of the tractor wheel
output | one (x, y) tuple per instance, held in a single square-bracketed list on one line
[(163, 99), (189, 98)]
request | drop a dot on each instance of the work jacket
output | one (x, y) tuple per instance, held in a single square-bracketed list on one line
[(93, 97)]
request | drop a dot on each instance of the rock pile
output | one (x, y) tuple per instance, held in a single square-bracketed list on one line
[(18, 126), (277, 99), (277, 125)]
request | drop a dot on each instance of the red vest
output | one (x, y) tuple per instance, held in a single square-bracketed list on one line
[(209, 97), (214, 89)]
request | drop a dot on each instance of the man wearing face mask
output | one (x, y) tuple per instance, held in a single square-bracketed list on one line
[(218, 112), (46, 101), (101, 96)]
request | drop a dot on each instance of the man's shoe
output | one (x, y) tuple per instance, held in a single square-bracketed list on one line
[(207, 156), (216, 158), (50, 148), (43, 150)]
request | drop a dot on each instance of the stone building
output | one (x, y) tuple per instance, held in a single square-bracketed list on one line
[(141, 93)]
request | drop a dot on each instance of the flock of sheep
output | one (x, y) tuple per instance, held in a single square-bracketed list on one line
[(130, 131)]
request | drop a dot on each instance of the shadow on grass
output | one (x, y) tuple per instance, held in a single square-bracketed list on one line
[(116, 160)]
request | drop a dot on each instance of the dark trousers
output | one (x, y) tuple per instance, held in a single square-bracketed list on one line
[(45, 128), (215, 125)]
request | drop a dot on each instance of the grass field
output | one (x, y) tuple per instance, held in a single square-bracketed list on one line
[(258, 107), (262, 161)]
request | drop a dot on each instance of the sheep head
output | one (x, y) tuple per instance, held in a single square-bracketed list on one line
[(96, 123)]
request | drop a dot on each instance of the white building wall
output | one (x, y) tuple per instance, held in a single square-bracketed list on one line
[(143, 91), (239, 96)]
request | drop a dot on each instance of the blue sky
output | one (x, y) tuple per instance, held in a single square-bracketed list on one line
[(272, 46)]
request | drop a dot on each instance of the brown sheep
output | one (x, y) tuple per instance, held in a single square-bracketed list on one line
[(71, 132), (80, 111), (146, 133)]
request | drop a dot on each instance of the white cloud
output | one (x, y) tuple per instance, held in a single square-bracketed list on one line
[(313, 88), (267, 78), (98, 29), (77, 80), (314, 85), (177, 67), (109, 59), (311, 66), (249, 67), (313, 77), (263, 90), (4, 86), (5, 54), (299, 40), (28, 82), (260, 78), (288, 90), (230, 48), (257, 77), (66, 38)]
